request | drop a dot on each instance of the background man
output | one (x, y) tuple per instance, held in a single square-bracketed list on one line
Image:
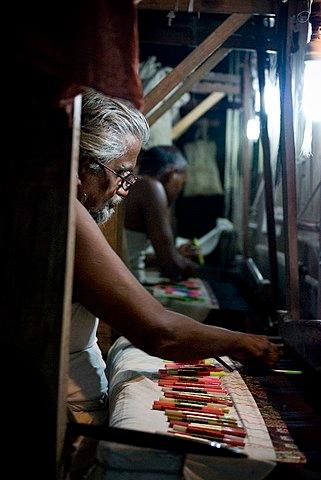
[(162, 174)]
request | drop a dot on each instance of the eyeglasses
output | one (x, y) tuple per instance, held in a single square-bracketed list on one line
[(126, 181)]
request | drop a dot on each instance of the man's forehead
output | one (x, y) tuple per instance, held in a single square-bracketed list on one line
[(127, 161), (124, 163)]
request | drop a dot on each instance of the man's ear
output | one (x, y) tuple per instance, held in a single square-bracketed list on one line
[(83, 170)]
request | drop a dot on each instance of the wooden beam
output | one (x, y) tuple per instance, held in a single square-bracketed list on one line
[(204, 88), (210, 63), (246, 155), (217, 82), (319, 268), (268, 180), (252, 7), (193, 60), (222, 78), (287, 154), (62, 446), (186, 38), (196, 113), (36, 262), (113, 229)]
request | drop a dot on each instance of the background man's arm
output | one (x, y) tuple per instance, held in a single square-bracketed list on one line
[(159, 230)]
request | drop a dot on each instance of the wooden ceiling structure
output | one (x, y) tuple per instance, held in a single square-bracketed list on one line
[(194, 37)]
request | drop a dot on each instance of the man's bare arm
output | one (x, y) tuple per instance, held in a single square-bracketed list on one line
[(106, 287)]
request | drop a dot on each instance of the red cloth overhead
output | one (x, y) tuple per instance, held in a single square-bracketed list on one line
[(78, 43)]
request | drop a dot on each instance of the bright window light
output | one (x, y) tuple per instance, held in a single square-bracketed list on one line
[(312, 90), (253, 128), (272, 102)]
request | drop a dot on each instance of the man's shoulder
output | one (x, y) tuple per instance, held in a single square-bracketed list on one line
[(150, 187)]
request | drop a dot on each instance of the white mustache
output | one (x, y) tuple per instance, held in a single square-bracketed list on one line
[(115, 200), (107, 211)]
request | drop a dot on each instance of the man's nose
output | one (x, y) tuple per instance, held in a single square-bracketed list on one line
[(121, 192)]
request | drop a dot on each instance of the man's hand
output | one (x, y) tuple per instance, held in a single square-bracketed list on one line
[(255, 350), (189, 250)]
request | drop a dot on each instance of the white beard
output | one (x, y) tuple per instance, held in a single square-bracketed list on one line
[(105, 214)]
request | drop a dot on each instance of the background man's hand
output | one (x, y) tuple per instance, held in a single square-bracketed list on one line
[(189, 250)]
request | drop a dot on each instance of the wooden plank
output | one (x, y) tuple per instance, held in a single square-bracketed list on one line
[(196, 113), (287, 153), (35, 245), (246, 155), (204, 88), (186, 38), (319, 269), (316, 190), (268, 180), (217, 6), (218, 82), (66, 316), (113, 229), (220, 77), (193, 60), (109, 229), (316, 146), (210, 63)]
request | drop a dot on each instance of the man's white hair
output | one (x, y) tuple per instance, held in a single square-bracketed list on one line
[(107, 126)]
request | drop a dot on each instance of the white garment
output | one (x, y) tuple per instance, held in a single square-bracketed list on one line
[(209, 241), (87, 382), (137, 243)]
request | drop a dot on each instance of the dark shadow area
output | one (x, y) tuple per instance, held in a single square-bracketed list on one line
[(197, 215), (239, 309)]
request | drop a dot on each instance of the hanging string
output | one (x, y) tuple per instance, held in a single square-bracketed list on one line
[(304, 15), (171, 14), (190, 6)]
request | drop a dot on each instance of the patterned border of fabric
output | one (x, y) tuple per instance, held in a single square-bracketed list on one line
[(258, 442), (285, 449)]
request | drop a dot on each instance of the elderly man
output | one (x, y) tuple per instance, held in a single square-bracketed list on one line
[(112, 134)]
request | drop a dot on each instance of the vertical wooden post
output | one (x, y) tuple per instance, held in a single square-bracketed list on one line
[(268, 180), (35, 216), (316, 148), (113, 230), (246, 155), (287, 154), (70, 248), (319, 272)]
